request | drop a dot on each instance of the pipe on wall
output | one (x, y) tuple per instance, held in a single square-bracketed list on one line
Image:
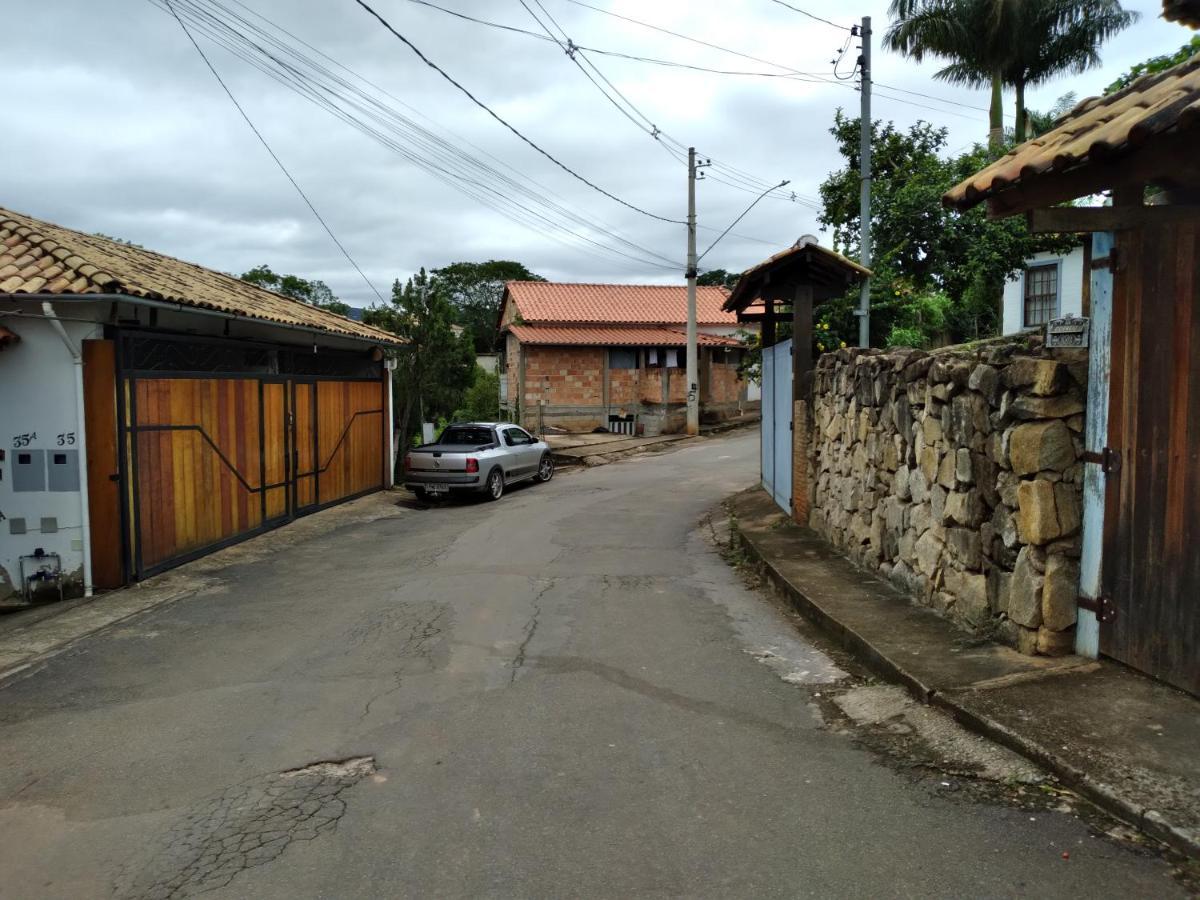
[(85, 512)]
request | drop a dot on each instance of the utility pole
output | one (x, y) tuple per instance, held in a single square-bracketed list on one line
[(693, 380), (864, 194)]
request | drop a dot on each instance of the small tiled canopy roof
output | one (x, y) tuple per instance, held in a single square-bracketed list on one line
[(42, 259), (606, 336), (830, 274), (1098, 131), (615, 304), (1185, 12)]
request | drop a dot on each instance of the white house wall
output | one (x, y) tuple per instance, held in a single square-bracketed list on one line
[(1070, 288), (38, 414)]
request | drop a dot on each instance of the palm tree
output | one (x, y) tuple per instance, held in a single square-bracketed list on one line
[(975, 35), (993, 43), (1057, 36)]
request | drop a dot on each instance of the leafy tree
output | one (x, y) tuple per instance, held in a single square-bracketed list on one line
[(718, 278), (1156, 64), (481, 402), (436, 366), (921, 248), (475, 290), (314, 292)]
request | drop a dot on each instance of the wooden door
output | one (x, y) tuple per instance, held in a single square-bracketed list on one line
[(276, 452), (304, 446), (1152, 505), (349, 439), (103, 467), (197, 465)]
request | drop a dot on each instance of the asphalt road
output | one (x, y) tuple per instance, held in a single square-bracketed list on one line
[(562, 694)]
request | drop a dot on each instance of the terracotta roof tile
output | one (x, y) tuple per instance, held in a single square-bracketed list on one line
[(89, 264), (600, 335), (642, 304), (1097, 129)]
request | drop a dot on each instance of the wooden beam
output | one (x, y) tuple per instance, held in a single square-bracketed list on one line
[(768, 323), (802, 329), (1079, 219)]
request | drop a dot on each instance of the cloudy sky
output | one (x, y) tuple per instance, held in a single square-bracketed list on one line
[(117, 126)]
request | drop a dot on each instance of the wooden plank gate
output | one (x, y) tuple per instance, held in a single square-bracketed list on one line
[(210, 458), (1152, 503)]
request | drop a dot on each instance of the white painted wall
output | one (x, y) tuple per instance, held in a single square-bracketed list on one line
[(37, 396), (1070, 288)]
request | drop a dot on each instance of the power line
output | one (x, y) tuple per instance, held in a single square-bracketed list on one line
[(442, 158), (788, 71), (805, 12), (278, 161), (734, 222), (505, 123)]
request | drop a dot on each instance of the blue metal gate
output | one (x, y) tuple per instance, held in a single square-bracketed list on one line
[(777, 423)]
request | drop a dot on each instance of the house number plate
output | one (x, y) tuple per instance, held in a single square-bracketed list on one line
[(1069, 331)]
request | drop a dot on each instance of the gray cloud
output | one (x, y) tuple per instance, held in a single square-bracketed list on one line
[(121, 129)]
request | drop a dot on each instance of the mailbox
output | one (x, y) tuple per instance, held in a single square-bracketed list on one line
[(1068, 331)]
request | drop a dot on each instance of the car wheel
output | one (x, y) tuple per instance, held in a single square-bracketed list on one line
[(494, 489), (545, 468)]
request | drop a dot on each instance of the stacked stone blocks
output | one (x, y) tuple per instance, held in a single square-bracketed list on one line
[(956, 474)]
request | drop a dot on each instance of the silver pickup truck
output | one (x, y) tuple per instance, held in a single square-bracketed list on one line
[(482, 457)]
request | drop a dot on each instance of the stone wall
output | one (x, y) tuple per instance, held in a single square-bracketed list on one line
[(956, 474)]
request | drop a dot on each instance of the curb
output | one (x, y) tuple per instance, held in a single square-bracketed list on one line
[(30, 664), (1097, 793)]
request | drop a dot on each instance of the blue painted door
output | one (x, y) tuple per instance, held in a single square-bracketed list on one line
[(777, 423)]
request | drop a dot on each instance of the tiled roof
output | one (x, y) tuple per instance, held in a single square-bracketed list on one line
[(822, 267), (1099, 129), (642, 304), (601, 336), (40, 258), (1185, 12)]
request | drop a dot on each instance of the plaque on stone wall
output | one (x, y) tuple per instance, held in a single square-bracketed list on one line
[(1068, 331)]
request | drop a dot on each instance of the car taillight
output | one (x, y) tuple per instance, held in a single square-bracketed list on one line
[(407, 462), (472, 464)]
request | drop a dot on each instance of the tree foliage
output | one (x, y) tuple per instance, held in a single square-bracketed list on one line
[(481, 401), (313, 292), (922, 252), (475, 290), (436, 366), (718, 278), (998, 43), (1156, 64)]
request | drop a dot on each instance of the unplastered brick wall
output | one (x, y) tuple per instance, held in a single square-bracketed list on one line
[(957, 475), (564, 376)]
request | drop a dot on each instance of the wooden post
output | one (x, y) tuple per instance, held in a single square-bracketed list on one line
[(768, 323)]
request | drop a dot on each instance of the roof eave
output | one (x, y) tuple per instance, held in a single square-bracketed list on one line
[(180, 306)]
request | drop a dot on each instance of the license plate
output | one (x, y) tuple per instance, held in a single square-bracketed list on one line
[(437, 489)]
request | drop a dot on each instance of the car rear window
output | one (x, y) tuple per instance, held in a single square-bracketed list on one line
[(460, 434)]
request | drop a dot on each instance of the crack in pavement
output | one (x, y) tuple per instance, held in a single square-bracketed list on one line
[(530, 627), (247, 825)]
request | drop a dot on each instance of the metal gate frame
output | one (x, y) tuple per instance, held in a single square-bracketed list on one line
[(776, 433), (128, 464)]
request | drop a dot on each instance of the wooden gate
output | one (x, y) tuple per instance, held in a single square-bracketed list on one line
[(1152, 504), (211, 459)]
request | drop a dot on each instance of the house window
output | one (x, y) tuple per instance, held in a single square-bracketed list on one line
[(1041, 294), (622, 358)]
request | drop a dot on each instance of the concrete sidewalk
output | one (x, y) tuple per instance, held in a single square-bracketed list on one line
[(1126, 742)]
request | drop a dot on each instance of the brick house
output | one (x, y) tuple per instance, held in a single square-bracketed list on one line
[(582, 356)]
